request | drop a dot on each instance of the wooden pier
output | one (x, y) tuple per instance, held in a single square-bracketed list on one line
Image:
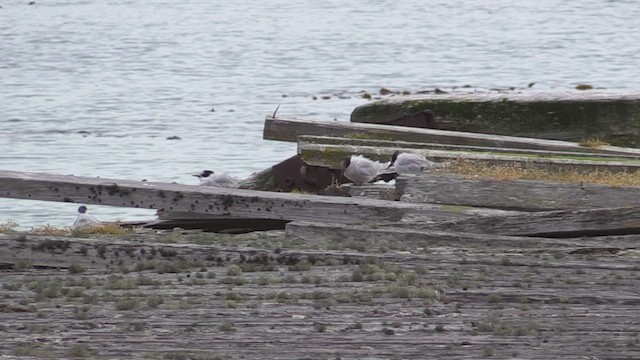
[(443, 263)]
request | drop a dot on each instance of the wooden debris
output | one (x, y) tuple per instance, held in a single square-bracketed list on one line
[(412, 237), (566, 116), (143, 299), (211, 201), (331, 155), (373, 191), (564, 223), (287, 129), (304, 140), (521, 195)]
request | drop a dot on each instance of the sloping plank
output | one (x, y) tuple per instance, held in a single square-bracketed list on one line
[(208, 201), (523, 195), (288, 129), (563, 223), (331, 155)]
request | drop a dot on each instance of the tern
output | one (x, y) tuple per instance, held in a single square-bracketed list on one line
[(408, 163), (85, 220), (361, 170), (210, 178)]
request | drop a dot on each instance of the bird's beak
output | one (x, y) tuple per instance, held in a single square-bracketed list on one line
[(196, 175)]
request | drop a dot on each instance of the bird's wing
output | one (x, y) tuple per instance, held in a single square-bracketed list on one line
[(367, 166), (219, 180), (226, 180), (414, 162), (86, 220)]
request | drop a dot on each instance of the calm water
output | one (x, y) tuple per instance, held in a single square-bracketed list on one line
[(95, 88)]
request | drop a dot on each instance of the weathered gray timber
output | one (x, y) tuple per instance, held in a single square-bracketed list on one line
[(566, 116), (386, 236), (328, 140), (266, 297), (288, 129), (522, 195), (372, 191), (209, 201), (562, 223), (331, 155)]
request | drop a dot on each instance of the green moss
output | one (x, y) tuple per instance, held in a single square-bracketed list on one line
[(564, 119), (456, 208), (584, 87)]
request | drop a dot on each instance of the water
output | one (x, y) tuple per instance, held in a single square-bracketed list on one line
[(95, 88)]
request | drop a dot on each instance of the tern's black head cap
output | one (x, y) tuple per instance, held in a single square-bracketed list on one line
[(395, 156), (205, 173), (345, 162)]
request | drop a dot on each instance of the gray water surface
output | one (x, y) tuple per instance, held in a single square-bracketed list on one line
[(95, 88)]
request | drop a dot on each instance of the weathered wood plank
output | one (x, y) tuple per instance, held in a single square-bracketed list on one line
[(464, 302), (288, 129), (563, 223), (329, 140), (396, 234), (331, 155), (522, 195), (373, 191), (210, 201), (223, 224)]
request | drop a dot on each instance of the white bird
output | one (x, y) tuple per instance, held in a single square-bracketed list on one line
[(209, 178), (408, 163), (360, 170), (84, 220)]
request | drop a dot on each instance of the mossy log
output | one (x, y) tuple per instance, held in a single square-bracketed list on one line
[(614, 118), (522, 195), (288, 129)]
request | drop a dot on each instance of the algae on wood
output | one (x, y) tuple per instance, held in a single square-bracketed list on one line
[(561, 223), (614, 118)]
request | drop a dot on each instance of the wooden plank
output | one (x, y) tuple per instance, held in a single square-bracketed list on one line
[(563, 223), (223, 224), (329, 140), (372, 191), (522, 195), (397, 234), (331, 155), (288, 129), (463, 302), (209, 201)]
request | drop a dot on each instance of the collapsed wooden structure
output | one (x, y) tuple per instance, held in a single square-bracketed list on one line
[(516, 268), (430, 201)]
